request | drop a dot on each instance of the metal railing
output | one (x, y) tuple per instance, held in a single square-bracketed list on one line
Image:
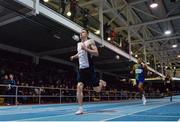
[(15, 95), (83, 18)]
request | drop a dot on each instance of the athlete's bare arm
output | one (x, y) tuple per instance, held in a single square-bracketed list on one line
[(74, 57), (92, 49)]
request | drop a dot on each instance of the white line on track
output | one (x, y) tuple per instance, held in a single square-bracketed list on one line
[(109, 119)]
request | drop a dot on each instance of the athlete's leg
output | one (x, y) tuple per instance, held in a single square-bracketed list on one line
[(141, 88), (142, 92), (171, 96), (102, 84), (170, 93), (79, 93)]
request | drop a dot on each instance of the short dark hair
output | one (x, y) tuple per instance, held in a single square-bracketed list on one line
[(86, 30)]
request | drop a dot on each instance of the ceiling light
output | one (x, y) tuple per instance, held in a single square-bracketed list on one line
[(154, 5), (109, 38), (97, 32), (174, 45), (167, 32), (68, 13), (46, 1), (178, 56), (174, 67), (136, 56)]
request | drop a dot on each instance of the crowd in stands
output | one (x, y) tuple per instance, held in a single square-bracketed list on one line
[(27, 73), (46, 78), (115, 37), (18, 69)]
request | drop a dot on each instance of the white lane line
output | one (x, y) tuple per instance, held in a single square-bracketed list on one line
[(109, 119), (87, 107), (156, 115), (19, 110)]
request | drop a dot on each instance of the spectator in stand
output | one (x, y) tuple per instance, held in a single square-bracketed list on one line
[(168, 86), (11, 90), (73, 9), (113, 36), (107, 30), (85, 19), (4, 89), (63, 6), (125, 45)]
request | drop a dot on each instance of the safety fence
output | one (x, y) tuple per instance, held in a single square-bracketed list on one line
[(14, 95)]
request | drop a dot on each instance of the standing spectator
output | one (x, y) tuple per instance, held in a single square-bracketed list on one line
[(73, 8), (11, 90), (107, 30), (85, 19), (125, 45), (4, 89), (113, 35), (168, 86), (63, 6)]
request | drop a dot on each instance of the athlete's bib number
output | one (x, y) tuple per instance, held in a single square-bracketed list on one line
[(138, 71)]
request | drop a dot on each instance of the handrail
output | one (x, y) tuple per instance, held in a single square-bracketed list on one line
[(56, 95)]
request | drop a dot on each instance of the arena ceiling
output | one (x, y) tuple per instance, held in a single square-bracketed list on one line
[(44, 37), (146, 25)]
